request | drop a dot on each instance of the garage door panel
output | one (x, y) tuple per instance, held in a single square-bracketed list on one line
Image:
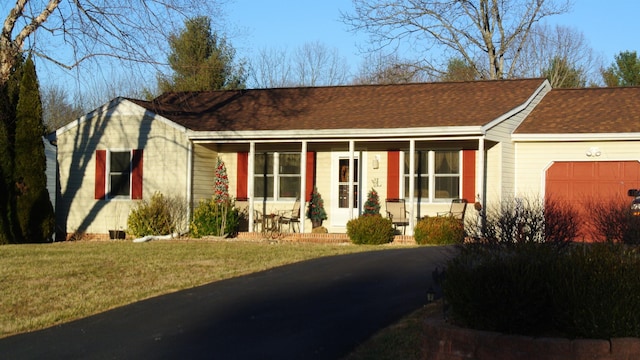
[(582, 182)]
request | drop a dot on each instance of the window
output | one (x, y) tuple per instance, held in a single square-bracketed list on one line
[(277, 175), (118, 174), (421, 176), (437, 175)]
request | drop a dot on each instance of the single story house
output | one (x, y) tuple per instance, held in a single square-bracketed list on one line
[(426, 143)]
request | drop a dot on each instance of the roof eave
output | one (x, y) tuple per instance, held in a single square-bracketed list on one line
[(324, 134), (575, 137)]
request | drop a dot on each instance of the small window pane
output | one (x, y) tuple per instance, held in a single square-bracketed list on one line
[(289, 164), (120, 185), (447, 162), (421, 187), (120, 161), (262, 182), (290, 187), (263, 164), (447, 187)]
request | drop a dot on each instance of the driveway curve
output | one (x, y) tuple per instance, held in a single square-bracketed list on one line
[(317, 309)]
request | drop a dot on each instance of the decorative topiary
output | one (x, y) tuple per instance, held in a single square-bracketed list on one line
[(372, 205), (221, 187), (373, 230), (439, 231), (316, 212)]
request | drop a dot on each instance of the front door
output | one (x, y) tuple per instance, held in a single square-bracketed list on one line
[(341, 173)]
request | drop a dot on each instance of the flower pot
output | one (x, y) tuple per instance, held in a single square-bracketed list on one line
[(117, 234), (316, 223)]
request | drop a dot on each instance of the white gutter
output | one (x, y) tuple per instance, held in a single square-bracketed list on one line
[(576, 137), (448, 131)]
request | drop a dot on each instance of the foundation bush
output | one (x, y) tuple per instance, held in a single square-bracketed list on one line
[(439, 231), (371, 230)]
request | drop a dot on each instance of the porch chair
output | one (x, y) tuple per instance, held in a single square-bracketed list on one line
[(397, 213), (292, 217), (457, 209), (242, 204), (258, 221)]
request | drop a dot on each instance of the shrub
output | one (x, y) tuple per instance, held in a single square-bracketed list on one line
[(560, 223), (215, 218), (596, 289), (521, 220), (160, 216), (612, 221), (501, 288), (372, 230), (578, 291), (442, 230)]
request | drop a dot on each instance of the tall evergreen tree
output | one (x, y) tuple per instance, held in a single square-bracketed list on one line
[(201, 60), (9, 91), (34, 210), (625, 70)]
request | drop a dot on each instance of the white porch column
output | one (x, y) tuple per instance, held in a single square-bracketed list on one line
[(480, 173), (303, 184), (250, 183), (480, 176), (351, 171), (412, 172)]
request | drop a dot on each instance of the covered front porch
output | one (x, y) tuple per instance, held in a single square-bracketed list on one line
[(272, 173)]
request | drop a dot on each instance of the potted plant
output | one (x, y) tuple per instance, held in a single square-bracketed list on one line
[(316, 212), (117, 232)]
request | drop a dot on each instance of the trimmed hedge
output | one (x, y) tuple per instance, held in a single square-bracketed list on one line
[(439, 231), (371, 230), (538, 289)]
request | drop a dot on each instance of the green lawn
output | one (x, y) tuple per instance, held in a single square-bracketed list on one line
[(48, 284)]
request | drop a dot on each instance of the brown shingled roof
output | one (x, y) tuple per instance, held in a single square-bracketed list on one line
[(585, 111), (345, 107)]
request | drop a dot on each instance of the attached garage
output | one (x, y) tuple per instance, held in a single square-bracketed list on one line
[(576, 180), (582, 182)]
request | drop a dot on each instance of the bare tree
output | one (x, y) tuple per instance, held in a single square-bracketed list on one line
[(561, 54), (271, 69), (486, 34), (57, 110), (70, 32), (312, 64), (379, 68), (316, 64)]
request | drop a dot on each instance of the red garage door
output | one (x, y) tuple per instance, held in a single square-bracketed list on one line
[(585, 181)]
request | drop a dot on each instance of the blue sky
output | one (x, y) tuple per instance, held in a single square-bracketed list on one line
[(610, 27)]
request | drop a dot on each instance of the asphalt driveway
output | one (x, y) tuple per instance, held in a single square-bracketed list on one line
[(318, 309)]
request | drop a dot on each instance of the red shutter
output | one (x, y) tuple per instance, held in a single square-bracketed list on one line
[(242, 175), (393, 174), (469, 175), (101, 174), (136, 174), (311, 174)]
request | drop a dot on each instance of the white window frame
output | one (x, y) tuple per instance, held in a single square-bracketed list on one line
[(431, 174), (276, 175), (108, 173)]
